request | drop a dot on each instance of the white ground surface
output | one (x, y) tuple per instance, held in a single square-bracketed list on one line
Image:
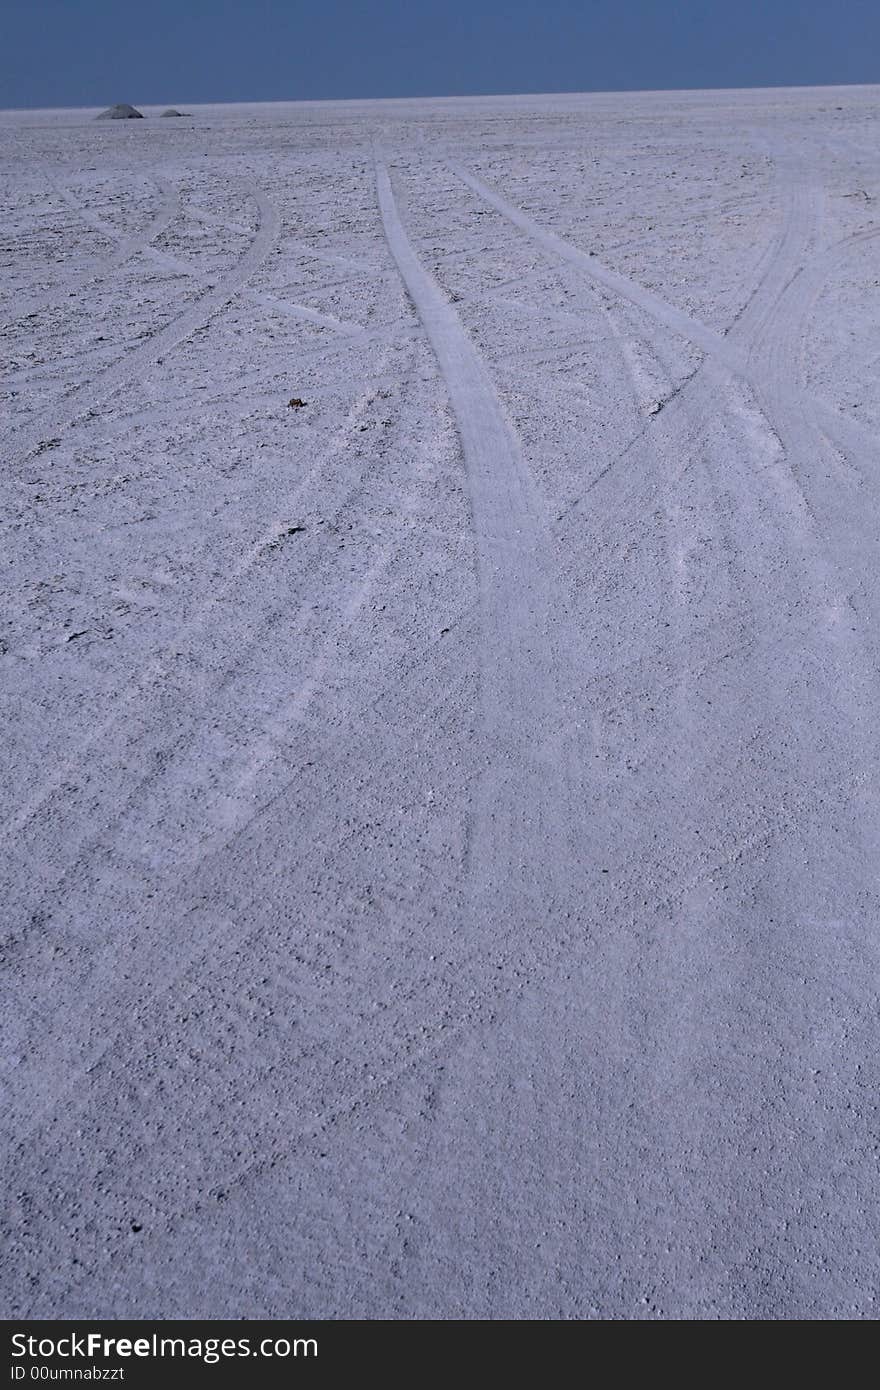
[(441, 828)]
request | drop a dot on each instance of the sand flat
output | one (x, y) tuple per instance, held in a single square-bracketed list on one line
[(441, 818)]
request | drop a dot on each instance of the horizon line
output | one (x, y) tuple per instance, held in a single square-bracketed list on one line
[(469, 96)]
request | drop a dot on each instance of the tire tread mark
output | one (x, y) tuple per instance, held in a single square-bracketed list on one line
[(21, 442), (847, 433)]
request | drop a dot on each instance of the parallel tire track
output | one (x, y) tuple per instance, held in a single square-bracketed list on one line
[(149, 963), (517, 840), (720, 347), (524, 793), (690, 981), (161, 668)]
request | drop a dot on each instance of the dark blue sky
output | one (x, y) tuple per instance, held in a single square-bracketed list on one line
[(93, 52)]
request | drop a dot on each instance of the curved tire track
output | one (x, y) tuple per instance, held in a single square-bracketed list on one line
[(161, 668), (521, 819), (702, 978), (720, 347), (150, 962), (127, 247), (19, 443)]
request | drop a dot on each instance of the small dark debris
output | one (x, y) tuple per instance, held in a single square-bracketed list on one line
[(72, 636), (279, 540), (136, 1226), (295, 403)]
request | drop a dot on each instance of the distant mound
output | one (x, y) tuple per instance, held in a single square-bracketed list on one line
[(122, 112), (172, 111)]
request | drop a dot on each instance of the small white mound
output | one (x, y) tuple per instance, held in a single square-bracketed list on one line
[(122, 112)]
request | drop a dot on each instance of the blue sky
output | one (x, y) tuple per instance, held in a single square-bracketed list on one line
[(94, 52)]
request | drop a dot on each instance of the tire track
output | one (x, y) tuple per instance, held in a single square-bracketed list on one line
[(285, 1061), (285, 306), (720, 348), (521, 817), (20, 443), (234, 814), (677, 969), (449, 1026), (296, 1075), (792, 278), (127, 247), (302, 312), (304, 247), (161, 668), (155, 975), (519, 843)]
